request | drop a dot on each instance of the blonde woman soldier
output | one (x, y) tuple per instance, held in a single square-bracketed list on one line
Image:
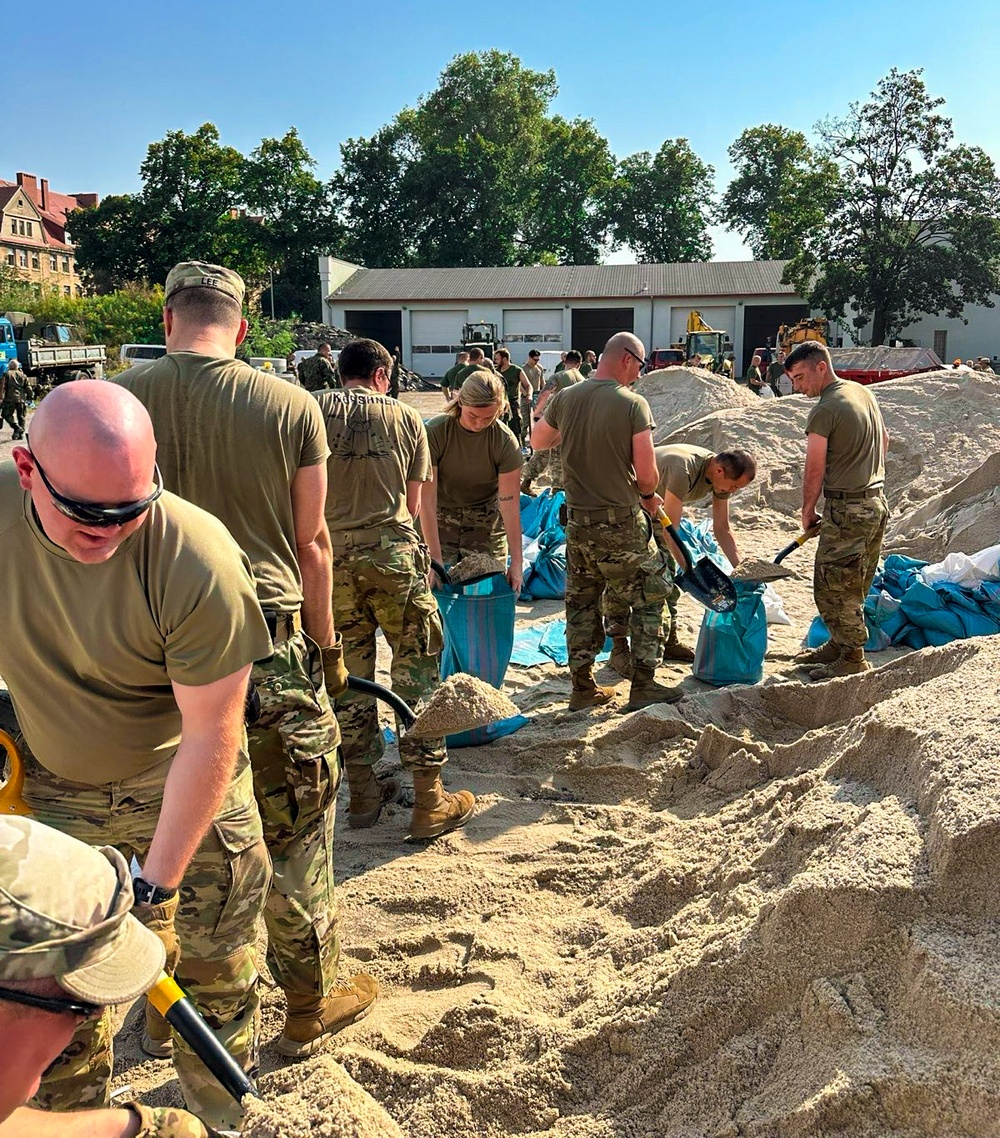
[(472, 502)]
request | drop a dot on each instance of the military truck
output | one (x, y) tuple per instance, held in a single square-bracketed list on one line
[(50, 353)]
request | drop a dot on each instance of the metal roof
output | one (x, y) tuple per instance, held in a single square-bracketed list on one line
[(567, 282)]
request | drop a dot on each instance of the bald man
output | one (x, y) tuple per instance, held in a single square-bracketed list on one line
[(130, 625), (604, 430)]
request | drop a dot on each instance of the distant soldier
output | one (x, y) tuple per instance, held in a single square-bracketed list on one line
[(378, 462), (776, 373), (15, 398), (566, 374), (397, 364), (516, 385), (451, 375), (318, 372), (477, 361), (534, 371), (846, 444), (589, 363)]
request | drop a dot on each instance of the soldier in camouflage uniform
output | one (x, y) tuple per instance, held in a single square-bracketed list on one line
[(16, 390), (131, 703), (605, 431), (549, 459), (845, 460), (318, 372), (69, 949), (378, 462), (253, 453)]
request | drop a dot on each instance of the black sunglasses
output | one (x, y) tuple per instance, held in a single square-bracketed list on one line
[(53, 1004), (94, 513), (635, 357)]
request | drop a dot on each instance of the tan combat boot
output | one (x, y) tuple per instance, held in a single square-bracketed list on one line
[(586, 693), (675, 650), (156, 1038), (621, 657), (368, 795), (435, 811), (311, 1019), (645, 691), (851, 662), (827, 653)]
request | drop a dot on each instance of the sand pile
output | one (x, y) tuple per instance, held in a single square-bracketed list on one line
[(317, 1098), (460, 703), (964, 519), (805, 943), (942, 425), (475, 565), (679, 395)]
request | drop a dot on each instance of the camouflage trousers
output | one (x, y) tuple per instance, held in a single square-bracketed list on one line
[(617, 611), (221, 899), (385, 587), (542, 460), (13, 415), (296, 773), (850, 542), (617, 558), (471, 529)]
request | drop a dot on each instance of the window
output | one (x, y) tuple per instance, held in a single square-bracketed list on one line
[(20, 226), (31, 228), (941, 344), (53, 262), (13, 225), (67, 290), (22, 258), (10, 256), (34, 261), (65, 267)]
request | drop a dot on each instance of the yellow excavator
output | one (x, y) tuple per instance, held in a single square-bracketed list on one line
[(701, 340), (810, 328)]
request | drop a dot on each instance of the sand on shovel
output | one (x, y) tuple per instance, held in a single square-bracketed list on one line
[(459, 704), (757, 569), (475, 565), (315, 1099)]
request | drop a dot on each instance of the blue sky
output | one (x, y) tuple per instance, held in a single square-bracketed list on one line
[(95, 84)]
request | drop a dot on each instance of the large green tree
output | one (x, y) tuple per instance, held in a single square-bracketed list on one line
[(660, 204), (782, 190), (917, 227)]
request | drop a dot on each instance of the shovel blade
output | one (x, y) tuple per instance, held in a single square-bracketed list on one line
[(706, 582)]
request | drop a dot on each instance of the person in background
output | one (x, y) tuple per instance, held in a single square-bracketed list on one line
[(69, 949), (450, 376), (548, 459), (397, 364), (318, 372), (517, 386), (588, 364), (14, 400), (471, 503), (755, 379), (776, 371)]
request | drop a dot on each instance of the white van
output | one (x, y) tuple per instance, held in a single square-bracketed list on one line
[(133, 353)]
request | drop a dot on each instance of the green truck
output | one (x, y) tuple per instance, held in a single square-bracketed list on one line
[(50, 353)]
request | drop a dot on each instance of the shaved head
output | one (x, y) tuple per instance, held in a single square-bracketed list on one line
[(620, 344), (622, 359)]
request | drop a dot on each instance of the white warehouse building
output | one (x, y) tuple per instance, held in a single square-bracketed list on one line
[(558, 307)]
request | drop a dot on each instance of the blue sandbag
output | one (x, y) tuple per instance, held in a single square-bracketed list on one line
[(878, 638), (926, 608), (546, 576), (731, 645), (478, 621)]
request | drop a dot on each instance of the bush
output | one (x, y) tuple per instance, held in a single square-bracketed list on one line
[(268, 337)]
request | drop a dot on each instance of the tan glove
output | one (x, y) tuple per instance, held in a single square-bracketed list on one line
[(334, 669), (160, 920), (168, 1122)]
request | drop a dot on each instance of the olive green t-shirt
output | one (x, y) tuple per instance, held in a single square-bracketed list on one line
[(684, 472), (467, 369), (469, 462), (596, 420), (89, 651), (559, 380), (848, 416), (377, 445), (585, 369), (511, 377), (535, 376), (448, 380), (231, 439)]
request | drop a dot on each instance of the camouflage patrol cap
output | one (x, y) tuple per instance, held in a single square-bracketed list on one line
[(200, 274), (65, 914)]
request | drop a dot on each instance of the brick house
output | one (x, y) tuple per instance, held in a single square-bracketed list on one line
[(33, 237)]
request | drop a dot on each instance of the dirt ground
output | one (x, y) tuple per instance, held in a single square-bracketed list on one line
[(764, 912)]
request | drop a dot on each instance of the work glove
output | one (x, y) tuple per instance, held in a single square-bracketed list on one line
[(334, 669), (160, 920), (168, 1122)]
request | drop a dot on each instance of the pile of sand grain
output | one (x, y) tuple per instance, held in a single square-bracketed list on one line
[(475, 565), (679, 395), (460, 703), (316, 1098)]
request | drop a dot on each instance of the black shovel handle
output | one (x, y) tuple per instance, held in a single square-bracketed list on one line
[(399, 706), (443, 575), (796, 544)]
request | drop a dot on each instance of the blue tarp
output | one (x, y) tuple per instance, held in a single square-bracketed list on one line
[(902, 609), (478, 624), (545, 575), (544, 642)]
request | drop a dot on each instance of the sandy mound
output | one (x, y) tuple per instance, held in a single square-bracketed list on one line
[(964, 519), (942, 426), (461, 702), (805, 943), (316, 1098), (679, 395)]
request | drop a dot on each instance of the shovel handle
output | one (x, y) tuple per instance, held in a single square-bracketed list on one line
[(664, 519), (12, 791), (399, 706), (797, 543)]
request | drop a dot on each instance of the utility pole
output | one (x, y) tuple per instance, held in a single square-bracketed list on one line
[(270, 269)]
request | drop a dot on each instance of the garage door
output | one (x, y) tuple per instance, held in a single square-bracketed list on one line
[(536, 327), (720, 317), (384, 326), (435, 336), (593, 327)]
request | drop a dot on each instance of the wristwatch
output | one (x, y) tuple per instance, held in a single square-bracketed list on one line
[(146, 893)]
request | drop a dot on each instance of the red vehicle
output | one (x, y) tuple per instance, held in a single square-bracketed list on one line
[(664, 357), (873, 365)]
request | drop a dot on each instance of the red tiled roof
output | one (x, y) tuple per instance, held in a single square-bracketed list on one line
[(53, 218)]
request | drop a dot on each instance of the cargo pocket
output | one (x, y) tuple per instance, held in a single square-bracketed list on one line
[(248, 867), (428, 622), (312, 764)]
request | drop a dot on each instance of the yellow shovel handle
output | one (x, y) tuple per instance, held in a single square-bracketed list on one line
[(12, 791)]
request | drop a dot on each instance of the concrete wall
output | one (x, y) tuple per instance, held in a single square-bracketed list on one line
[(979, 337)]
